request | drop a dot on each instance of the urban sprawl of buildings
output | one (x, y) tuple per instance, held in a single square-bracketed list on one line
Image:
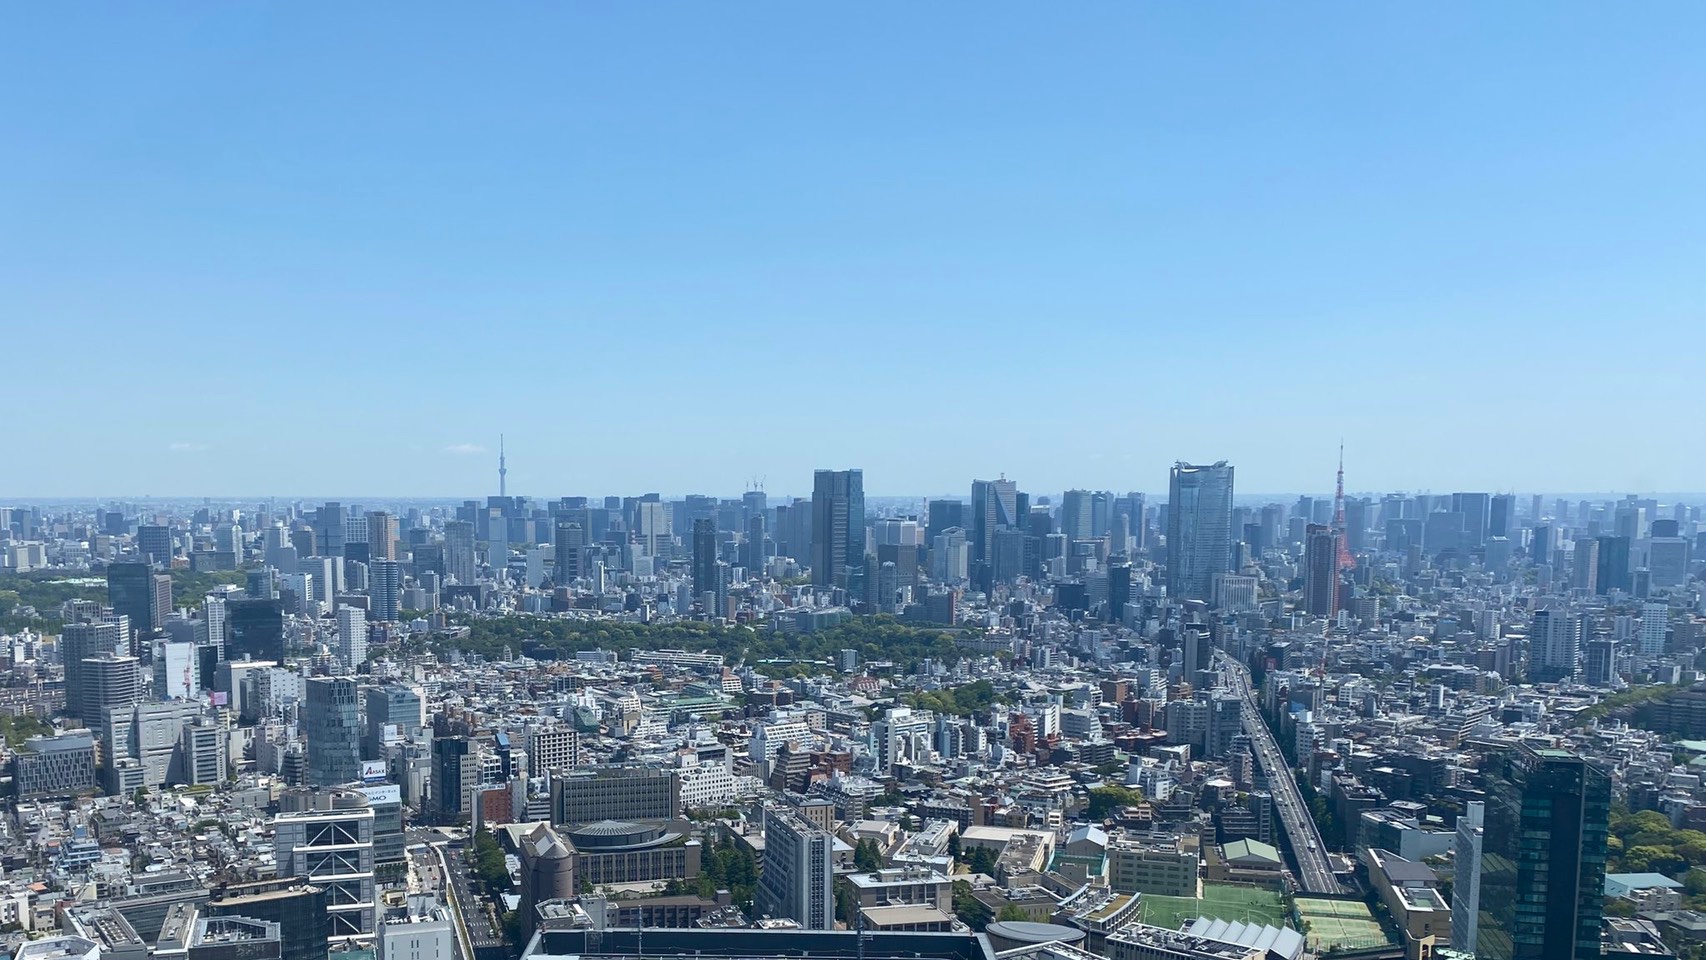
[(1036, 727)]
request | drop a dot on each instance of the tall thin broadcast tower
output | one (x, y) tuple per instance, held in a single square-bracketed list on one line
[(503, 471), (1345, 561)]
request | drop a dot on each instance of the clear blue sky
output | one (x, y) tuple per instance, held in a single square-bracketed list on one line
[(336, 247)]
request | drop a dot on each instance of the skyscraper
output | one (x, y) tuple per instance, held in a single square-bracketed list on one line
[(108, 681), (1475, 508), (254, 629), (393, 711), (331, 724), (329, 530), (385, 589), (80, 641), (136, 591), (994, 506), (1466, 877), (570, 543), (459, 551), (1321, 571), (1613, 571), (838, 527), (1199, 529), (352, 637), (1584, 573), (154, 543), (1075, 515), (1543, 857), (1655, 624), (1555, 645), (798, 871), (381, 535), (704, 557), (1501, 521)]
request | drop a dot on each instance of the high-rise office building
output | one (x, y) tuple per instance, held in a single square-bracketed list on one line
[(1542, 885), (1655, 625), (214, 611), (838, 527), (994, 507), (1584, 572), (705, 558), (653, 527), (1321, 571), (1667, 559), (1501, 518), (331, 725), (459, 551), (381, 535), (796, 882), (453, 772), (1555, 645), (109, 681), (1466, 877), (80, 641), (1199, 529), (136, 591), (352, 637), (254, 629), (393, 715), (1600, 662), (942, 514), (154, 543), (1075, 515), (1476, 508), (332, 845), (385, 589), (1613, 570), (570, 546), (329, 530)]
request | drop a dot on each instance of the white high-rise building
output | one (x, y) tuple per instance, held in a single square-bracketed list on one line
[(352, 637), (1555, 642), (213, 611), (950, 555), (1466, 878), (536, 557), (1655, 622), (175, 664)]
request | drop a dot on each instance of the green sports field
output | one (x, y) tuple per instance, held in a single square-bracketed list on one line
[(1342, 924), (1226, 902)]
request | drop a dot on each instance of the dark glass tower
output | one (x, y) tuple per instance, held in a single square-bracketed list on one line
[(1543, 857), (704, 556), (838, 527)]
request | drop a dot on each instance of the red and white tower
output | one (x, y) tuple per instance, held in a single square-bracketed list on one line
[(1346, 561)]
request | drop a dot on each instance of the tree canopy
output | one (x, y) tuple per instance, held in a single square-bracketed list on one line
[(547, 638)]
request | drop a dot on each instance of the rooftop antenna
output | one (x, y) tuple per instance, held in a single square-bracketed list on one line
[(503, 471)]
